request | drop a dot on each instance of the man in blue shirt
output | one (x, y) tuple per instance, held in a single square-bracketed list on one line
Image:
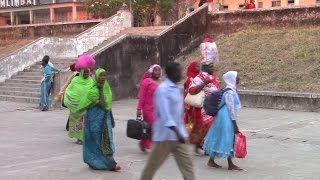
[(169, 133)]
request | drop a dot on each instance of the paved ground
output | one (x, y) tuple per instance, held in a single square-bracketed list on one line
[(34, 145)]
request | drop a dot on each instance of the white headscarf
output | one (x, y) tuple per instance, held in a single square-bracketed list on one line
[(230, 78), (151, 68)]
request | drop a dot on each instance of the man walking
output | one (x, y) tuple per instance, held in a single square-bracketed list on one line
[(169, 134)]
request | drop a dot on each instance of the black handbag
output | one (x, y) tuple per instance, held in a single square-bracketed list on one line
[(138, 129)]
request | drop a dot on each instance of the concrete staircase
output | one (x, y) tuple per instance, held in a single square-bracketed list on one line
[(25, 86), (133, 31)]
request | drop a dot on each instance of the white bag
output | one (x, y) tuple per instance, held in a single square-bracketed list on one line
[(195, 100)]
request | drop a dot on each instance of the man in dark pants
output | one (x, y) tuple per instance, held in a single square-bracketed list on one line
[(169, 134)]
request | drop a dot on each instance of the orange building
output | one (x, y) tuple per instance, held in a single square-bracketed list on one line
[(238, 4), (14, 12)]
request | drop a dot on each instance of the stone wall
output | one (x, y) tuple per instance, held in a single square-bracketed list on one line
[(185, 35), (228, 22), (8, 34), (281, 100), (129, 57), (125, 62)]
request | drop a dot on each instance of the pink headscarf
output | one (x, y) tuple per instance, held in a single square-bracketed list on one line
[(85, 61)]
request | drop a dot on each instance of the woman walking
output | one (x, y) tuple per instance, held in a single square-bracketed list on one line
[(98, 147), (145, 104), (76, 90), (46, 83), (208, 82), (192, 71), (219, 142)]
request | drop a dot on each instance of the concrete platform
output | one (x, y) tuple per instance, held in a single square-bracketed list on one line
[(34, 145)]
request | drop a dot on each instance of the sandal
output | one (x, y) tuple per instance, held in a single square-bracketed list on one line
[(79, 142), (116, 168), (235, 168)]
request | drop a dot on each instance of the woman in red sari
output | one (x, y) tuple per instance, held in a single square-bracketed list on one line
[(208, 82), (192, 71), (249, 4)]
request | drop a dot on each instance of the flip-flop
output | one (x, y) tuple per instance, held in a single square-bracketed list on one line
[(217, 167), (236, 169)]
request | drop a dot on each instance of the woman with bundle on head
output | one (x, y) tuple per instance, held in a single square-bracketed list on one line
[(98, 147), (145, 108), (219, 142), (75, 92), (207, 82), (46, 83)]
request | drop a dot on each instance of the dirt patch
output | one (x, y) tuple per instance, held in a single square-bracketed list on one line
[(277, 59), (13, 45)]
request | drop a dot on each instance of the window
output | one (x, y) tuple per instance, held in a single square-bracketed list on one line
[(260, 4), (276, 3), (290, 1), (225, 7), (241, 6)]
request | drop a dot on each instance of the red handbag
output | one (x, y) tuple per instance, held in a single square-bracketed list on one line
[(240, 145)]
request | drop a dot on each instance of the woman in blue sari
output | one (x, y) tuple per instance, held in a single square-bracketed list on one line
[(219, 141), (46, 83), (98, 147)]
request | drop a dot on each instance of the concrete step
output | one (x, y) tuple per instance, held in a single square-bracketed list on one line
[(63, 60), (22, 73), (20, 85), (27, 77), (23, 81), (21, 99), (27, 89), (20, 93), (32, 69), (56, 65)]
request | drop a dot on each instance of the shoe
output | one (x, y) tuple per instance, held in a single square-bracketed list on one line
[(142, 148)]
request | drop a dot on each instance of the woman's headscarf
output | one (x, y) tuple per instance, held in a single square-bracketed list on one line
[(148, 74), (192, 71), (92, 97), (210, 40), (76, 90), (85, 61), (230, 78)]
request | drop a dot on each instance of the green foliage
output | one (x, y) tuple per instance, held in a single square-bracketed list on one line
[(144, 11)]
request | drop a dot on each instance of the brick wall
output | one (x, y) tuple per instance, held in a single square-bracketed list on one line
[(228, 22), (8, 34)]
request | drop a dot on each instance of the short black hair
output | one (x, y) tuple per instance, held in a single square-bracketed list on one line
[(45, 59), (172, 68)]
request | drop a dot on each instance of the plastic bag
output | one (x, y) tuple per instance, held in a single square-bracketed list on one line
[(240, 145)]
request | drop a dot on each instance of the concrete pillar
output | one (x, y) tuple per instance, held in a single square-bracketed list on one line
[(11, 18), (31, 16), (34, 2), (51, 15), (17, 19), (74, 13), (54, 1)]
